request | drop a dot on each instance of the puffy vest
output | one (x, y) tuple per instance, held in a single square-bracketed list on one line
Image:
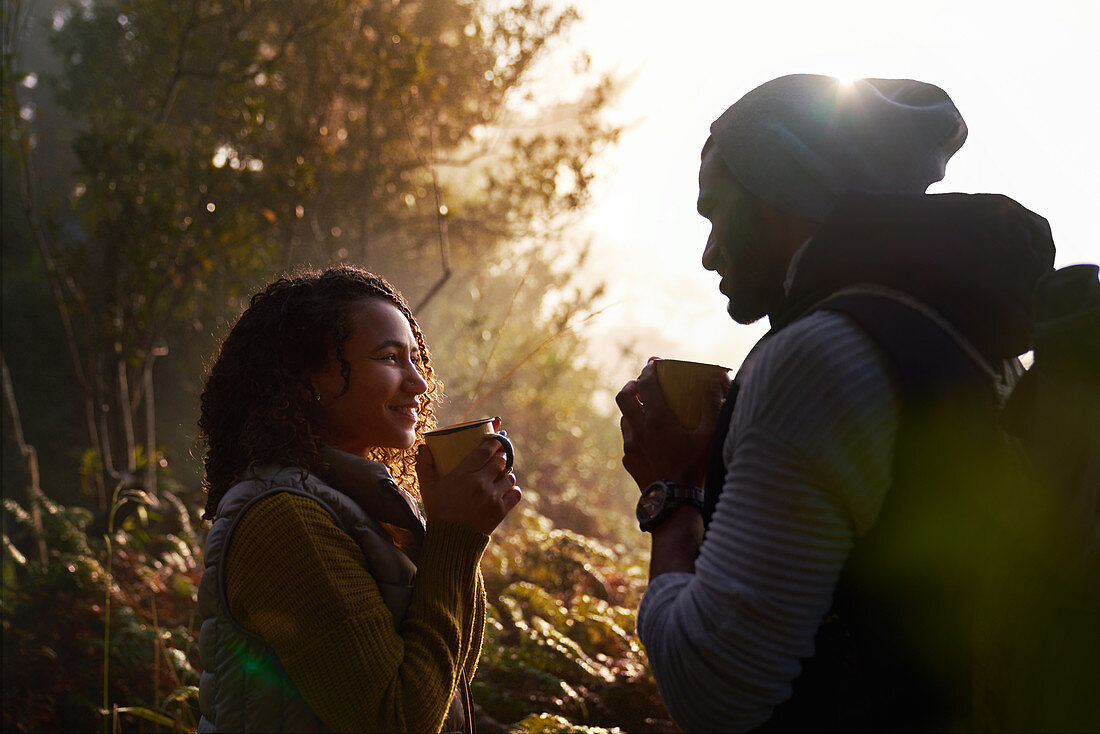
[(243, 687)]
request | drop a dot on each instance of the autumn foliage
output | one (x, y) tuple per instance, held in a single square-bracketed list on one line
[(163, 160)]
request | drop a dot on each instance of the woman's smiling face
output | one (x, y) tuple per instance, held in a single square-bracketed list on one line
[(379, 404)]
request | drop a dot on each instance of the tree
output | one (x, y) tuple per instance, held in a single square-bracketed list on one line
[(192, 150), (217, 143), (514, 347)]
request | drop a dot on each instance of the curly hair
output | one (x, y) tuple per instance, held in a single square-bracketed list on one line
[(256, 405)]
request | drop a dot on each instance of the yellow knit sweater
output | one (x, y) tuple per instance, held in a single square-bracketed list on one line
[(297, 580)]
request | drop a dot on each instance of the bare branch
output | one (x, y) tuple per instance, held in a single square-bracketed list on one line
[(177, 77), (530, 355), (500, 330), (440, 209), (30, 463), (28, 193)]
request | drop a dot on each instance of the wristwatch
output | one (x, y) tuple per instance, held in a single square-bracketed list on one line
[(661, 498)]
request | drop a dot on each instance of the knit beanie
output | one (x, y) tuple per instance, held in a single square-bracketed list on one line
[(800, 142)]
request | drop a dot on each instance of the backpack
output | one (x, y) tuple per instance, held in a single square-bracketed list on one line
[(1054, 410), (1036, 623), (1039, 630), (1031, 594)]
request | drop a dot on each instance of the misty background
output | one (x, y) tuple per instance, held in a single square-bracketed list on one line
[(525, 173)]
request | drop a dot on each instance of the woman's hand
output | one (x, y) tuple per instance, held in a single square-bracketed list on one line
[(655, 445), (478, 493)]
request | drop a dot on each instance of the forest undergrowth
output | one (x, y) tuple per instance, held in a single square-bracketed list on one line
[(560, 654)]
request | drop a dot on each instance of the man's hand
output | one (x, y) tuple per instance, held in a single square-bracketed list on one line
[(655, 445)]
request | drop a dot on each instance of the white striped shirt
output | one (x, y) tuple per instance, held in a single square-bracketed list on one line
[(808, 460)]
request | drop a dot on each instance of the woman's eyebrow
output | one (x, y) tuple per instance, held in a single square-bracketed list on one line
[(391, 343)]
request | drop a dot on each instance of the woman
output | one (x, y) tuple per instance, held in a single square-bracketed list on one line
[(327, 603)]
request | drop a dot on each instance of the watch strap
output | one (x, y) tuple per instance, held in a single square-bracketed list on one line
[(675, 495)]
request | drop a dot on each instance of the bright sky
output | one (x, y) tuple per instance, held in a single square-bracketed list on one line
[(1023, 74)]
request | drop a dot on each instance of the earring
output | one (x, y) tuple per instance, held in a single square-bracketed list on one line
[(317, 397)]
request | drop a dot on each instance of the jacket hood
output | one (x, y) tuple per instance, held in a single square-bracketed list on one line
[(973, 258)]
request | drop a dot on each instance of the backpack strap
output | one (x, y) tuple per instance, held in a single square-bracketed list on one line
[(716, 465), (924, 353), (925, 356)]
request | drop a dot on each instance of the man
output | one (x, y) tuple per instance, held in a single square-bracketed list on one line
[(834, 588)]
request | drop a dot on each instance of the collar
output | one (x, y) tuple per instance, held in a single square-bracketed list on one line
[(372, 487)]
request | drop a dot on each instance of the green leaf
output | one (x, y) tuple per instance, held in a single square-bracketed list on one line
[(142, 713), (137, 495), (11, 551), (182, 694)]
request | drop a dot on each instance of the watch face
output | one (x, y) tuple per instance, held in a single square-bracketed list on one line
[(650, 503)]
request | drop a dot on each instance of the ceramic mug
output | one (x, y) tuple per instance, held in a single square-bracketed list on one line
[(451, 444), (684, 385)]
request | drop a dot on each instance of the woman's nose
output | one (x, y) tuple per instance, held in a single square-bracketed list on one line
[(415, 382)]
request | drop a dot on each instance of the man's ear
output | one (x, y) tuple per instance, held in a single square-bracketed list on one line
[(800, 230), (794, 230)]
